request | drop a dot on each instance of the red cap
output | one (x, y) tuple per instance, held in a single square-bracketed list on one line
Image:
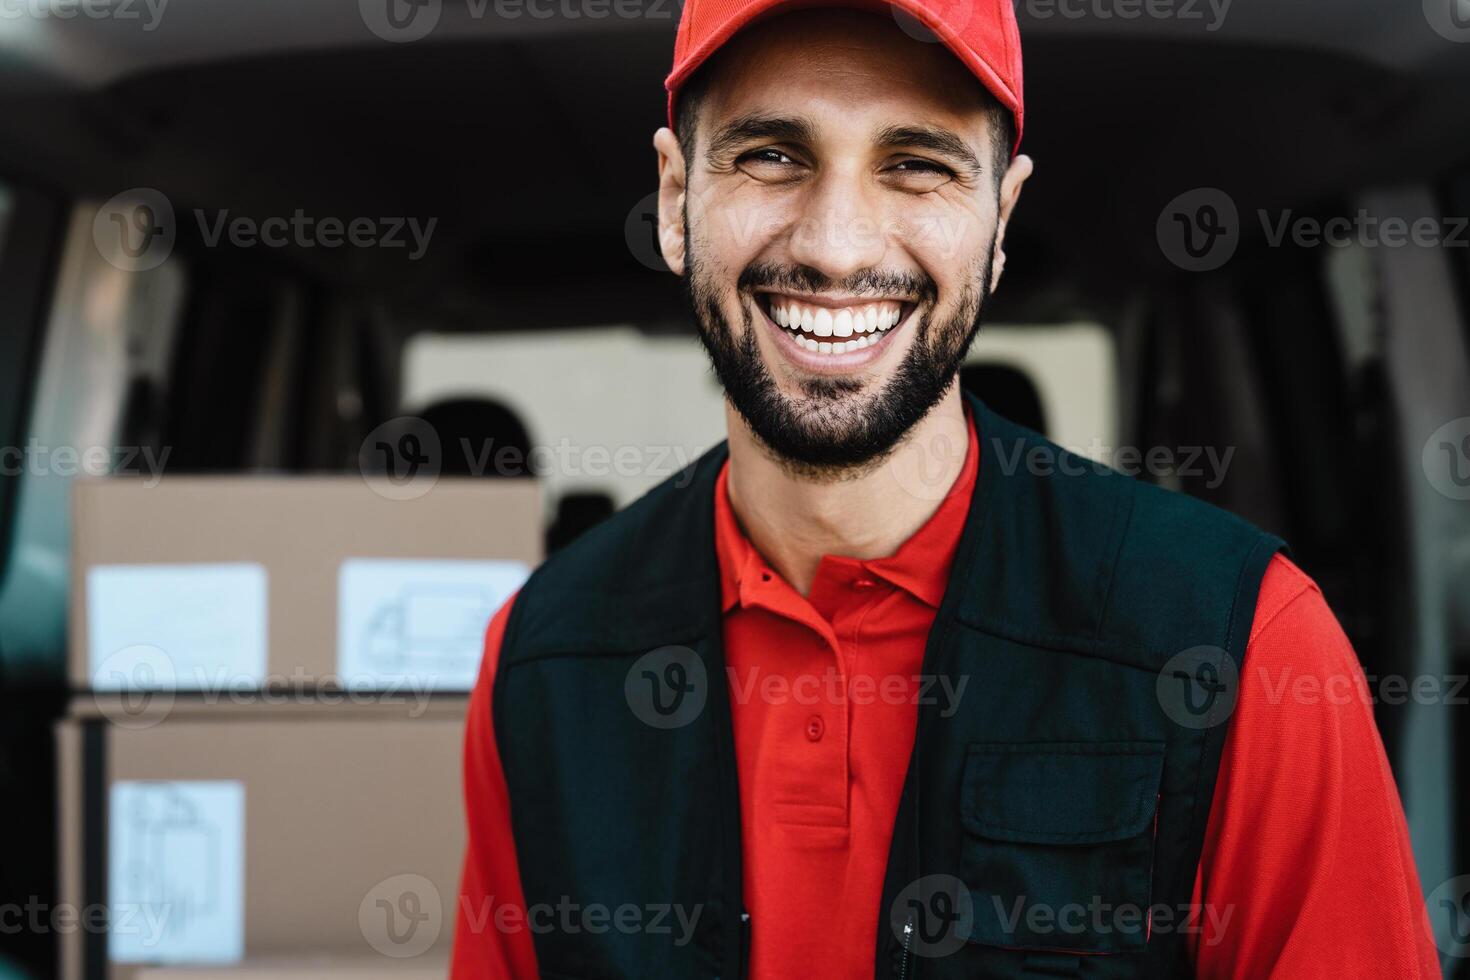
[(981, 33)]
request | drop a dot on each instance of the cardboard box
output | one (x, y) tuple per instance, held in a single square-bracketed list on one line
[(224, 583), (248, 839)]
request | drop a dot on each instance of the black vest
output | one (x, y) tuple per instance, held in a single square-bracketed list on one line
[(1051, 827)]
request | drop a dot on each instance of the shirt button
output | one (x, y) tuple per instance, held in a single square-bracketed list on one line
[(814, 728), (863, 584)]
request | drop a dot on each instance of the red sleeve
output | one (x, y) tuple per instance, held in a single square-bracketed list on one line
[(1306, 870), (491, 939)]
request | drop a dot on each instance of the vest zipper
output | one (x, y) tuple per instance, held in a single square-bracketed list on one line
[(903, 961)]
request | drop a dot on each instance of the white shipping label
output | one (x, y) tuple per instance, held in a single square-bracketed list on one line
[(176, 872), (177, 626), (418, 622)]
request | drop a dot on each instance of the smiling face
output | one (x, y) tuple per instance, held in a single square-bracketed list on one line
[(838, 224)]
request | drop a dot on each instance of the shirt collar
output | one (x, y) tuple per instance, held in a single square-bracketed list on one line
[(920, 566)]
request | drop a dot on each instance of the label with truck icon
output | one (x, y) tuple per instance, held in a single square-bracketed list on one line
[(418, 622)]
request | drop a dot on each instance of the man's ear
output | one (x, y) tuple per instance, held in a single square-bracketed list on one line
[(670, 198), (1010, 193)]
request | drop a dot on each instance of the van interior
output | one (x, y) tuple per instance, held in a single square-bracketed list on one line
[(538, 312)]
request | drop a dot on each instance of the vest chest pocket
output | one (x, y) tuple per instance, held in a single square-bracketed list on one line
[(1058, 846)]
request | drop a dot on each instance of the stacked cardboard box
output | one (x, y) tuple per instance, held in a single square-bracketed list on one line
[(260, 772)]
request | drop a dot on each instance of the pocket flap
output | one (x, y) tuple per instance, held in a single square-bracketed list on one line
[(1061, 792)]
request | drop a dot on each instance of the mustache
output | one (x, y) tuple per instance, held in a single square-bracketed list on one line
[(865, 282)]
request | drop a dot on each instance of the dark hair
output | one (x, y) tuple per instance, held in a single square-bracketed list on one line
[(694, 89), (686, 110)]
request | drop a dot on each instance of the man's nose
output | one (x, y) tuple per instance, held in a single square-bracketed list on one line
[(840, 230)]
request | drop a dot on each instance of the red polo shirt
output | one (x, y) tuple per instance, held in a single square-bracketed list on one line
[(1306, 870)]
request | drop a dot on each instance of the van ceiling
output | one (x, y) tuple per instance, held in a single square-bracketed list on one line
[(528, 139)]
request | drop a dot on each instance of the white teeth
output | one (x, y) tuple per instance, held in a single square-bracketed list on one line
[(830, 347), (863, 324)]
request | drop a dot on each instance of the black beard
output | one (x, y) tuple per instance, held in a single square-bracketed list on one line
[(833, 429)]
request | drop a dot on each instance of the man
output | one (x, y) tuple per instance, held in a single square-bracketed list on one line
[(889, 686)]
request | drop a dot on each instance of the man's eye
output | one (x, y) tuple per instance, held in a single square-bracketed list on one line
[(767, 155), (923, 167)]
